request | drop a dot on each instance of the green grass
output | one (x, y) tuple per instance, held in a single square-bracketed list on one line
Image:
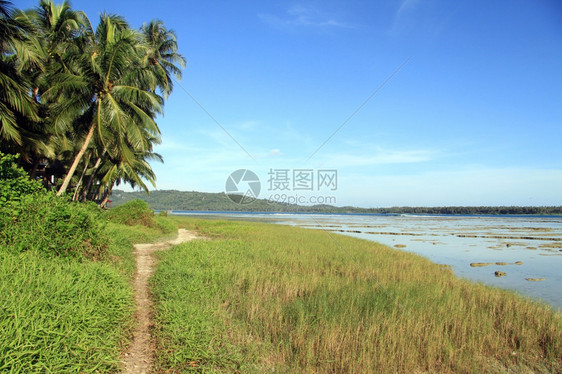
[(66, 297), (61, 316), (70, 314), (266, 298)]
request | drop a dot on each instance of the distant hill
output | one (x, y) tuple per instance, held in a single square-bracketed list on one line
[(219, 202), (192, 200)]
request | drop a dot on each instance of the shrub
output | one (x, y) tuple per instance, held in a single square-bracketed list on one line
[(14, 181), (51, 224), (132, 213)]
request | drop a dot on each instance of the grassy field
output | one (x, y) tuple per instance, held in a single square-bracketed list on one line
[(266, 298), (69, 314)]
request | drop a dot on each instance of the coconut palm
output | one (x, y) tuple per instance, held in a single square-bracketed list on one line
[(103, 91), (67, 91), (108, 170), (135, 172), (50, 32), (60, 26), (60, 32), (162, 57), (16, 105)]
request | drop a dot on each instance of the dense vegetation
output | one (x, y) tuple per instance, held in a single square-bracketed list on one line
[(79, 105), (218, 202), (262, 298), (66, 303)]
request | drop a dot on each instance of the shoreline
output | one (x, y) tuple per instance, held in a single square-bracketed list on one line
[(250, 212), (453, 240), (274, 284)]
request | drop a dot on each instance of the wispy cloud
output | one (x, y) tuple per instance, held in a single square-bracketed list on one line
[(464, 186), (381, 157), (420, 18), (304, 16), (406, 6), (404, 16)]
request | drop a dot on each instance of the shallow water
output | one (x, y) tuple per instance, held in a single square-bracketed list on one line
[(534, 242)]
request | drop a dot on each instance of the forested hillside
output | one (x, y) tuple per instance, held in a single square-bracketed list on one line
[(192, 200)]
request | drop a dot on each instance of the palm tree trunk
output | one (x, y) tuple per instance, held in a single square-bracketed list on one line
[(106, 196), (75, 196), (76, 161), (86, 188)]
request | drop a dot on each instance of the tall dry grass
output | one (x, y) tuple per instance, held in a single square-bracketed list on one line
[(261, 297)]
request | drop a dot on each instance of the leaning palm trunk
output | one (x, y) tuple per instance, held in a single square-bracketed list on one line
[(76, 161), (86, 189), (75, 196), (106, 195)]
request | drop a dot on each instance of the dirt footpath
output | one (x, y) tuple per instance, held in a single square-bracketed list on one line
[(138, 359)]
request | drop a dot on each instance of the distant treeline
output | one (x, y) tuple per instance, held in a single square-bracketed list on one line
[(203, 201), (542, 210)]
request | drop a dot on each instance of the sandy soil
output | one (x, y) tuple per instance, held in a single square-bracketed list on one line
[(138, 359)]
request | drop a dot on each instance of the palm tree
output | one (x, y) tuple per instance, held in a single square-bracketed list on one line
[(67, 91), (50, 31), (108, 170), (16, 105), (162, 56), (60, 26), (103, 90), (134, 172)]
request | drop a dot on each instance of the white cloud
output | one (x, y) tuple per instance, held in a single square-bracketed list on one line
[(380, 157), (303, 16)]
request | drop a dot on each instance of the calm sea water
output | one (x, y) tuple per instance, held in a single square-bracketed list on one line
[(534, 242)]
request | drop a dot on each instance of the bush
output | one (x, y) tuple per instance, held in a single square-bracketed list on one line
[(14, 181), (54, 225), (132, 213)]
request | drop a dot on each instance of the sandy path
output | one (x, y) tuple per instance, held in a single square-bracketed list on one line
[(138, 359)]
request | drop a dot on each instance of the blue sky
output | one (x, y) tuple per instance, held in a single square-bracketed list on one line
[(471, 114)]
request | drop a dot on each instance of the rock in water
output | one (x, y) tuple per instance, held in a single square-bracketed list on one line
[(480, 264)]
